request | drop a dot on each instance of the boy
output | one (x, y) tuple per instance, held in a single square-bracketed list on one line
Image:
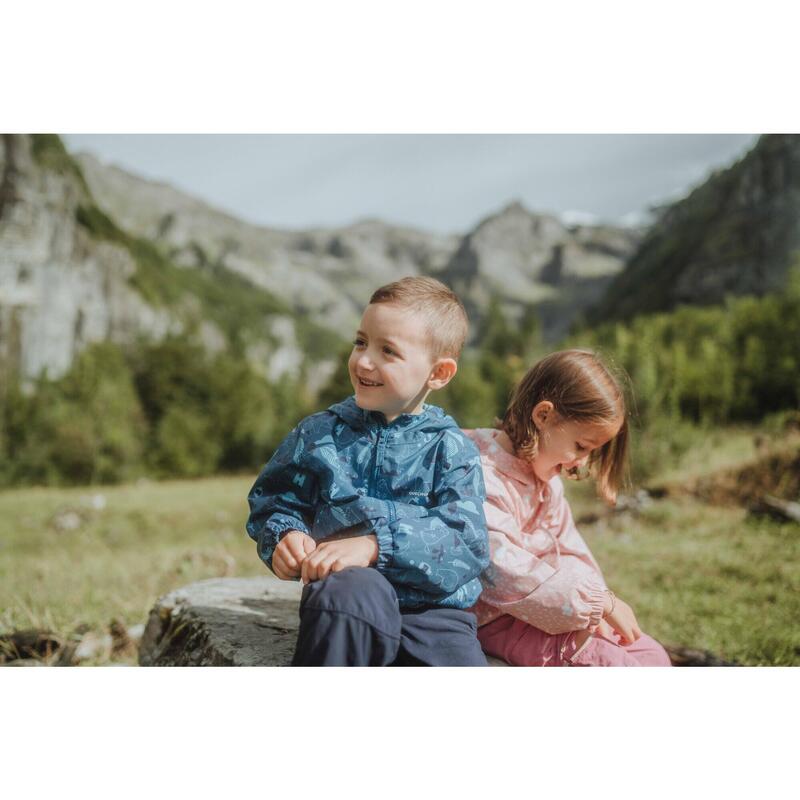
[(377, 503)]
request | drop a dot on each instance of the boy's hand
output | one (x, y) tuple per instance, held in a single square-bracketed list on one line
[(623, 621), (291, 552), (337, 554)]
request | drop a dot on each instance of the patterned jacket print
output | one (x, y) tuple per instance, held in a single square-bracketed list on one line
[(541, 570), (416, 483)]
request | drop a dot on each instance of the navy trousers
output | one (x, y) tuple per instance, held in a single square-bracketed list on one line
[(352, 619)]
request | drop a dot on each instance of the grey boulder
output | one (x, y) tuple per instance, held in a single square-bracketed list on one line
[(243, 622)]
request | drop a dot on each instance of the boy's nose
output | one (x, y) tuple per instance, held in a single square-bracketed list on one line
[(365, 363)]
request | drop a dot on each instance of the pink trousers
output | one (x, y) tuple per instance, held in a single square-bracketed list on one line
[(522, 645)]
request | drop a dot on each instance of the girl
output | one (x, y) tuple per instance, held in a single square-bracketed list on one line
[(544, 601)]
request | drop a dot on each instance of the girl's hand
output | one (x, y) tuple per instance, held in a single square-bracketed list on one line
[(606, 631), (622, 620)]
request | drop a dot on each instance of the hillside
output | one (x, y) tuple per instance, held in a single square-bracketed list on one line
[(71, 275), (527, 260), (532, 261), (324, 272), (735, 234)]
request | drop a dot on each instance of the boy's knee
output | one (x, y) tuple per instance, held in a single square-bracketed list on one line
[(359, 591)]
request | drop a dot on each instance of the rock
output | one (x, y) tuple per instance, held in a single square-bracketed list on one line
[(224, 622), (688, 657), (122, 643), (30, 645), (775, 507), (66, 520), (136, 632), (633, 502), (96, 502), (248, 622), (93, 647)]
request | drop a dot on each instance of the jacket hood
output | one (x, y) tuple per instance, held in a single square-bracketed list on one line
[(432, 418)]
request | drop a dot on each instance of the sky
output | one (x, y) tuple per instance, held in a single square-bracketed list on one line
[(444, 183)]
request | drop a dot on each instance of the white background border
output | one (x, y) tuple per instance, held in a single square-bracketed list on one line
[(388, 67)]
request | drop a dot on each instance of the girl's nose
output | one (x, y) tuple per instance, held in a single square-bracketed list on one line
[(578, 462)]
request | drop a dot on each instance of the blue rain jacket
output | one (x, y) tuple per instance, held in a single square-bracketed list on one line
[(416, 483)]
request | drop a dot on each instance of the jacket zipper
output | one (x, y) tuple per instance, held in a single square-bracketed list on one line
[(380, 451)]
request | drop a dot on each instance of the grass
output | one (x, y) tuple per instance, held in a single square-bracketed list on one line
[(49, 152), (148, 539), (696, 575), (704, 577)]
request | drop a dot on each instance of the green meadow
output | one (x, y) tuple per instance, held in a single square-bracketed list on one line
[(704, 576)]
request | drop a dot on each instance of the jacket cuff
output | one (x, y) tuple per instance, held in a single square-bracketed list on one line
[(279, 524), (383, 533), (596, 598)]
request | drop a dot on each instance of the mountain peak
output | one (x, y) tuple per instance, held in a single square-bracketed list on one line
[(737, 233)]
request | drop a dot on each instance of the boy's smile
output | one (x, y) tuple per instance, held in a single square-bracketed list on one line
[(391, 365)]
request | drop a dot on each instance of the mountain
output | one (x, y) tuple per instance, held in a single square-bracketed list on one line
[(534, 262), (736, 234), (70, 276), (90, 253), (327, 273), (525, 259)]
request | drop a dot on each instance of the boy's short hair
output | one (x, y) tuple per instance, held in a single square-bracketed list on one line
[(444, 314)]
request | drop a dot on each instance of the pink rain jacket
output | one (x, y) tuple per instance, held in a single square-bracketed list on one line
[(541, 570)]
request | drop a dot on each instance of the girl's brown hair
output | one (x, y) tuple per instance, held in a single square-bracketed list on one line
[(581, 389)]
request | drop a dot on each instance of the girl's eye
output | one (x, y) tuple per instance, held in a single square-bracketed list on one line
[(580, 446), (358, 342)]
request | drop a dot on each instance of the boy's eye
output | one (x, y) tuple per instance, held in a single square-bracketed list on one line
[(358, 342), (389, 351)]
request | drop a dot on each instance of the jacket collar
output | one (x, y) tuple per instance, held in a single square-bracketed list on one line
[(505, 462), (357, 417)]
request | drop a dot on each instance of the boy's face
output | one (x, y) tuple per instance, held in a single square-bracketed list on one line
[(391, 366)]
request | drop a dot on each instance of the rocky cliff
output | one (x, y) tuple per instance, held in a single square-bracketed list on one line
[(736, 234), (59, 287), (70, 275), (89, 252), (535, 261)]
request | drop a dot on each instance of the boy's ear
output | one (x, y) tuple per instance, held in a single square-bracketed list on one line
[(442, 373)]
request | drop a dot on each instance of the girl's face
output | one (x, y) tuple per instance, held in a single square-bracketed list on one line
[(565, 444)]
